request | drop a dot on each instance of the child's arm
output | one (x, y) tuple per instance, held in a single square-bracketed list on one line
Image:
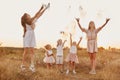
[(70, 39), (64, 42), (79, 41), (83, 30), (103, 25), (40, 12)]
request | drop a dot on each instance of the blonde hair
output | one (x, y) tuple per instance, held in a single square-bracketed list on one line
[(58, 41), (47, 46)]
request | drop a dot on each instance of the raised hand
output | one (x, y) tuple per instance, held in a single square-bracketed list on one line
[(77, 19), (80, 38), (70, 35), (107, 19), (48, 5)]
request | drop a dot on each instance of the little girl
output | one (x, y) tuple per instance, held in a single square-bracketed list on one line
[(59, 55), (72, 57), (91, 33), (49, 59)]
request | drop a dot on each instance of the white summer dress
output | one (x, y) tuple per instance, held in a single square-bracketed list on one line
[(92, 39), (29, 39)]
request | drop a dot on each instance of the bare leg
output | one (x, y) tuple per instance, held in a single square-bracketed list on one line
[(24, 55), (23, 60), (32, 56), (68, 68), (73, 67), (48, 66), (93, 62), (32, 67)]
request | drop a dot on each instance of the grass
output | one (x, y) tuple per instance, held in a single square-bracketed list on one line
[(108, 65)]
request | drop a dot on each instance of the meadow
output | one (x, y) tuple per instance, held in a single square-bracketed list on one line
[(108, 66)]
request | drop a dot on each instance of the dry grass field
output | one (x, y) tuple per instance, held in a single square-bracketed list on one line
[(108, 66)]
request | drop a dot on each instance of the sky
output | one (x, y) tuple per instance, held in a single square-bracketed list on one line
[(60, 17)]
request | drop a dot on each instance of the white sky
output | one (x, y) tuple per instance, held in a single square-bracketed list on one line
[(60, 17)]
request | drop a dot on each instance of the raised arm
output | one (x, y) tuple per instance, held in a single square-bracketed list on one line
[(64, 42), (79, 41), (77, 19), (103, 25), (40, 12), (70, 39)]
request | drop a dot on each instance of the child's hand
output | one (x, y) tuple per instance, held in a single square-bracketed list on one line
[(107, 19), (70, 35), (65, 40), (80, 38)]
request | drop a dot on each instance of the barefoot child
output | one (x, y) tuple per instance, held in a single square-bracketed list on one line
[(72, 57), (28, 24), (59, 55), (49, 59), (91, 33)]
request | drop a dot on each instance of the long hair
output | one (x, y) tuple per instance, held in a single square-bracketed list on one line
[(89, 25), (23, 22)]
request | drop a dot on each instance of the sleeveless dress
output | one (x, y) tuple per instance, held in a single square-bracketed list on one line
[(72, 56), (49, 59), (92, 39), (29, 39)]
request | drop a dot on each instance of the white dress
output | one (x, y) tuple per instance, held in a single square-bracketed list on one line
[(92, 40), (72, 56), (49, 59), (29, 39)]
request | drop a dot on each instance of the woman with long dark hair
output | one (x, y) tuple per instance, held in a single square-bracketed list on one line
[(28, 24)]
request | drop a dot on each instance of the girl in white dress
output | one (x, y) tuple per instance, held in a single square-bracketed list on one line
[(91, 33), (28, 24), (59, 54), (49, 59), (72, 57)]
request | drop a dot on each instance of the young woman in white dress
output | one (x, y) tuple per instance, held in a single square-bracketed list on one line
[(28, 24), (91, 33)]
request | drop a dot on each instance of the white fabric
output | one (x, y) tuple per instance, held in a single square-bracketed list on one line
[(59, 59), (73, 50), (92, 46), (91, 35), (29, 39), (59, 50), (92, 39), (50, 52)]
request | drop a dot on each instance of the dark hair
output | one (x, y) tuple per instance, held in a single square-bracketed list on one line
[(23, 21)]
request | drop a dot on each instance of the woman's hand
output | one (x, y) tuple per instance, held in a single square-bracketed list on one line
[(107, 19), (77, 19), (70, 35)]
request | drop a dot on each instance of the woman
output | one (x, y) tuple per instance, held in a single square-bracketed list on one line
[(28, 24), (91, 33)]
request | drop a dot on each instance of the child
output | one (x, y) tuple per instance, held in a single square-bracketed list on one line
[(91, 33), (49, 59), (29, 42), (59, 55), (72, 57)]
